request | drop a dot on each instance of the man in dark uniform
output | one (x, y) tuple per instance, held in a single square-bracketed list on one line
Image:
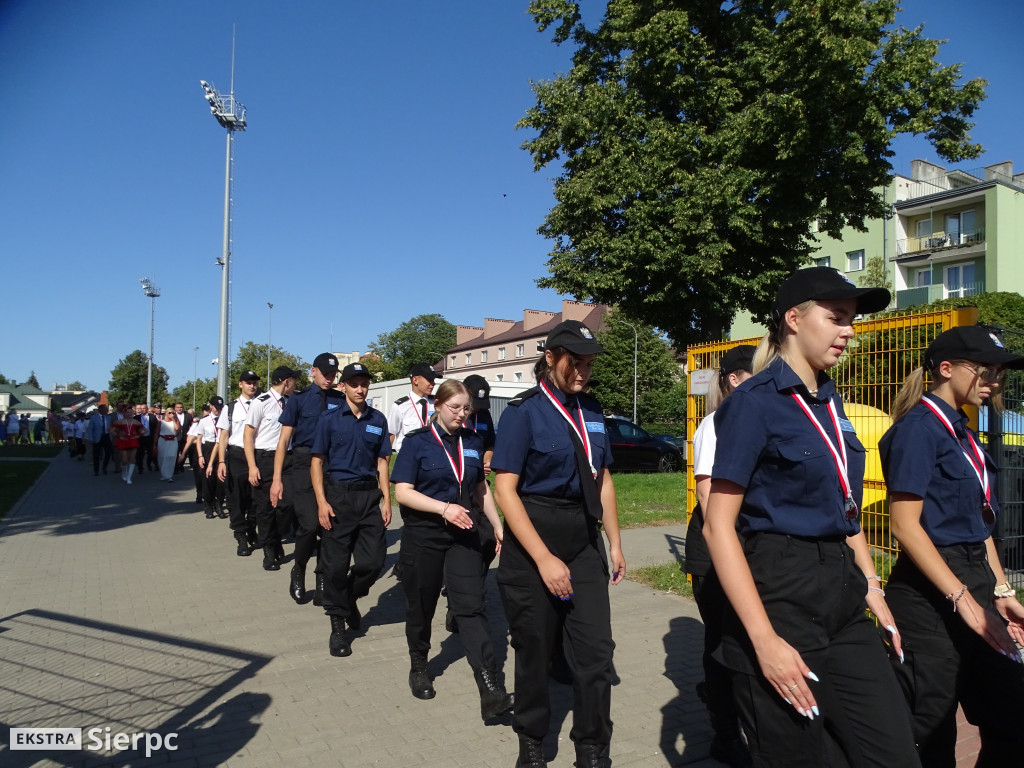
[(233, 468), (298, 426), (349, 470)]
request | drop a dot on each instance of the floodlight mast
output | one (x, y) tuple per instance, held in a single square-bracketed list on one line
[(152, 292), (230, 113)]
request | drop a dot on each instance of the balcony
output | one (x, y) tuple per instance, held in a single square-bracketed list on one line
[(926, 294), (939, 241)]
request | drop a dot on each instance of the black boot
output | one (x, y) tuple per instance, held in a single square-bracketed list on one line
[(355, 618), (419, 680), (269, 560), (592, 756), (210, 514), (279, 552), (318, 595), (243, 544), (297, 583), (728, 746), (531, 753), (339, 644), (494, 700), (251, 537)]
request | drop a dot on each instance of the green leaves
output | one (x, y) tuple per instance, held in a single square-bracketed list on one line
[(421, 339)]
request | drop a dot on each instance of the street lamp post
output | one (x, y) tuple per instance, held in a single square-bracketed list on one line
[(230, 113), (270, 328), (635, 344), (195, 375), (152, 291)]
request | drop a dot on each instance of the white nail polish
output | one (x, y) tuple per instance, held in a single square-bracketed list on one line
[(813, 677), (787, 701), (814, 709)]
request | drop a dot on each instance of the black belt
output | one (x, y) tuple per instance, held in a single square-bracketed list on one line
[(553, 501), (302, 448), (972, 552), (264, 451), (353, 485), (238, 448)]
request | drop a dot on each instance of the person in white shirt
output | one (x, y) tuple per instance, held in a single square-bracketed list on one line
[(234, 468), (213, 488), (414, 410), (192, 448)]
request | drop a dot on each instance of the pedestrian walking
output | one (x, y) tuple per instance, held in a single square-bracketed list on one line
[(233, 467), (98, 432), (413, 410), (167, 447), (213, 488)]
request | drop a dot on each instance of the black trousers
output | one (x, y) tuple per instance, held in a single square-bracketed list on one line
[(356, 539), (813, 593), (103, 447), (272, 523), (213, 488), (537, 619), (434, 554), (241, 512), (712, 602), (947, 663), (299, 491), (198, 474), (146, 453)]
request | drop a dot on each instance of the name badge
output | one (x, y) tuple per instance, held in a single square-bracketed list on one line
[(470, 453), (331, 406), (595, 426), (482, 427), (373, 429), (846, 425)]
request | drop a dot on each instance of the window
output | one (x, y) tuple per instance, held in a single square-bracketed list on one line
[(501, 353), (469, 358), (519, 376), (855, 261), (961, 228), (483, 356), (453, 361), (960, 281), (923, 277), (923, 228), (499, 376), (520, 350), (824, 261)]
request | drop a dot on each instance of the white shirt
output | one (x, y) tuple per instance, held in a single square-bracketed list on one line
[(236, 429), (704, 442), (263, 417), (406, 416), (208, 428), (194, 429)]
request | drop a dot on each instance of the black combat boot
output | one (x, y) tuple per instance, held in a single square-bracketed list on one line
[(494, 700), (531, 753), (269, 559), (243, 544), (339, 644), (297, 583), (210, 513), (419, 681), (592, 756), (318, 594)]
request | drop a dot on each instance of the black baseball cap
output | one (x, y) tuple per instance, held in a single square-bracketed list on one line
[(573, 336), (217, 402), (249, 376), (281, 373), (326, 363), (970, 342), (479, 392), (355, 369), (424, 370), (739, 358), (822, 284)]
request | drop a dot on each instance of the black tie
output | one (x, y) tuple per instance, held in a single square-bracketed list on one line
[(323, 400), (588, 483), (423, 410)]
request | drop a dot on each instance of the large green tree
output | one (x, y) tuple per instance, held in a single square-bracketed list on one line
[(253, 357), (32, 380), (128, 379), (204, 390), (700, 139), (421, 339), (657, 371)]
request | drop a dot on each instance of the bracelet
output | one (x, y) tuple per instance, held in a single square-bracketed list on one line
[(963, 590), (446, 505), (1005, 590), (876, 589), (873, 577)]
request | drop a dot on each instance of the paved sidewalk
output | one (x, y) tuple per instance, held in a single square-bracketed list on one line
[(124, 608)]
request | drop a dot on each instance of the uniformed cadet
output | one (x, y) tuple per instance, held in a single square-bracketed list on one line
[(440, 485), (213, 488), (349, 470), (949, 594), (554, 488), (234, 468), (262, 430), (413, 410), (809, 672), (192, 449), (480, 420), (298, 427)]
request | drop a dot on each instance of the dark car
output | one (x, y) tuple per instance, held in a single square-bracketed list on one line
[(636, 450)]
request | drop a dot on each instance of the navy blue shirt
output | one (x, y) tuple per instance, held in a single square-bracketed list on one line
[(423, 464), (302, 411), (534, 442), (352, 446), (767, 445), (482, 423), (921, 458)]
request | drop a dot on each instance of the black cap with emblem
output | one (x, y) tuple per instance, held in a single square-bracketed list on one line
[(327, 364), (823, 284), (479, 392), (573, 336)]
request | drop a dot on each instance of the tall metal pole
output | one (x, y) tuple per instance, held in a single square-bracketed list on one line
[(149, 370), (225, 280), (270, 328), (635, 344), (195, 374)]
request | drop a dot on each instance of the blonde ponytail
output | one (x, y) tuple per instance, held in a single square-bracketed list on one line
[(911, 391)]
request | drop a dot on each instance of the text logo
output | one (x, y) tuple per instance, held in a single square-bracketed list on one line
[(46, 738)]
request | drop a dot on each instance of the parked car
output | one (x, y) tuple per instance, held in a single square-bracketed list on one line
[(636, 450)]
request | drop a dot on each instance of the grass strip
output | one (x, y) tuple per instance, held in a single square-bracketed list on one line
[(667, 577), (16, 477)]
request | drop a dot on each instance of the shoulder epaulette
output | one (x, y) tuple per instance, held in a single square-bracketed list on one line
[(523, 396), (401, 400), (264, 396), (416, 431), (301, 391)]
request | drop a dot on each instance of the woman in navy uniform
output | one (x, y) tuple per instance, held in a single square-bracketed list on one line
[(439, 483), (958, 614), (555, 490), (809, 671)]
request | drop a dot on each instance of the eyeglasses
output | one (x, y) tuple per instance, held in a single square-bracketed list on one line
[(995, 374), (465, 410)]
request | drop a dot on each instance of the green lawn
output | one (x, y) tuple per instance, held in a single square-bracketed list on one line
[(650, 499), (667, 577), (16, 477), (36, 451)]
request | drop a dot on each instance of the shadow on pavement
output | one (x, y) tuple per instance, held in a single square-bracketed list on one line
[(61, 671), (684, 645)]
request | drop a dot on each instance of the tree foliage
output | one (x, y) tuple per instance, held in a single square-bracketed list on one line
[(253, 357), (128, 379), (3, 379), (658, 373), (76, 385), (32, 381), (875, 275), (421, 339), (204, 390), (699, 140)]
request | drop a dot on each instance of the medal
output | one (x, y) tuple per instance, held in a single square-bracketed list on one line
[(851, 508), (988, 514)]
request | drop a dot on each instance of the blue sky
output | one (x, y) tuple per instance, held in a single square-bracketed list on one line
[(380, 178)]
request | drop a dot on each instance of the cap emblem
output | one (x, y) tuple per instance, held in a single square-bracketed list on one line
[(480, 394), (585, 332), (995, 340), (357, 367)]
